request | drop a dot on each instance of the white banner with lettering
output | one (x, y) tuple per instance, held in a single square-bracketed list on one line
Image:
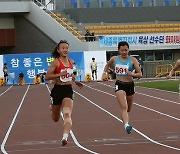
[(143, 41)]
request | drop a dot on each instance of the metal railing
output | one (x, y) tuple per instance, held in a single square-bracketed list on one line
[(45, 8)]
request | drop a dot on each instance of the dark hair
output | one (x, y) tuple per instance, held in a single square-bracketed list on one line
[(55, 53), (5, 63), (93, 58), (123, 43)]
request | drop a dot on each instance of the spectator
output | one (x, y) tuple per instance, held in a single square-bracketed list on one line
[(42, 76), (37, 79), (1, 81), (93, 38), (141, 63), (94, 68), (87, 36), (21, 79), (75, 69), (5, 71)]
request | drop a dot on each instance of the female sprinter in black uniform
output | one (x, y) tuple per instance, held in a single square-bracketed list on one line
[(124, 86), (61, 71)]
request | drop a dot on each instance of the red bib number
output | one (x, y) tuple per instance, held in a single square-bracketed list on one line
[(68, 76), (121, 69)]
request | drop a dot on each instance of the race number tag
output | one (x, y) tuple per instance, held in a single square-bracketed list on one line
[(68, 76), (121, 69)]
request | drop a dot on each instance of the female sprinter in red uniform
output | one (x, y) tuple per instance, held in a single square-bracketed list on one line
[(124, 86), (61, 71)]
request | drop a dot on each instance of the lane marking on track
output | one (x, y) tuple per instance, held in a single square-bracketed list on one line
[(6, 90), (137, 131), (12, 123), (73, 136), (167, 115), (148, 95), (158, 98)]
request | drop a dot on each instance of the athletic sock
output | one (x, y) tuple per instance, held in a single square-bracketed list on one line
[(65, 136), (126, 125)]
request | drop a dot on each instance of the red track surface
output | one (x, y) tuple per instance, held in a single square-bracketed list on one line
[(33, 131)]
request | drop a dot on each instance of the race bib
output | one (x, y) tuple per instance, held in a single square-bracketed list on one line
[(121, 69), (68, 76)]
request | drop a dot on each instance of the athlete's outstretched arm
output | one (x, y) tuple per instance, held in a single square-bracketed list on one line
[(177, 65)]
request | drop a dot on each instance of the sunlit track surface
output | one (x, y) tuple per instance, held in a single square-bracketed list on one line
[(35, 132)]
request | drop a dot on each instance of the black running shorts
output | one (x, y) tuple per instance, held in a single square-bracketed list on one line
[(128, 87), (59, 92)]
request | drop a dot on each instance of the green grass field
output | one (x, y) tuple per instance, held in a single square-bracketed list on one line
[(169, 85)]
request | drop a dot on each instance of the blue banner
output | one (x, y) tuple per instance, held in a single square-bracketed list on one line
[(29, 64), (37, 63), (78, 58)]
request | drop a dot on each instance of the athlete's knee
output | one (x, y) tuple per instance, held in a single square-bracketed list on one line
[(67, 115), (124, 107)]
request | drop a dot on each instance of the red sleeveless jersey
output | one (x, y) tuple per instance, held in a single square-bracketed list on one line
[(68, 76)]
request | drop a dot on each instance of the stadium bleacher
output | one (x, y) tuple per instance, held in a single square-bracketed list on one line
[(136, 28), (86, 3), (126, 3), (121, 27), (74, 3), (139, 3), (68, 25), (113, 3)]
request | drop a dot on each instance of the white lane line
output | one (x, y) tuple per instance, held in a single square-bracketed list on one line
[(158, 98), (167, 115), (6, 90), (148, 95), (12, 123), (73, 136), (137, 131)]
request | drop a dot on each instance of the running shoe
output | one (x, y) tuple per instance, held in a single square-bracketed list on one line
[(129, 129), (64, 142)]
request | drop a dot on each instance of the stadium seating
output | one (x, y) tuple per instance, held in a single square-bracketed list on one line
[(167, 2), (68, 25), (178, 2), (113, 3), (138, 28), (126, 3), (86, 3), (74, 3), (139, 3)]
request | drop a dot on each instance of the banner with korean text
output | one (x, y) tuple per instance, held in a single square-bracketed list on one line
[(143, 41), (29, 64), (36, 63)]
